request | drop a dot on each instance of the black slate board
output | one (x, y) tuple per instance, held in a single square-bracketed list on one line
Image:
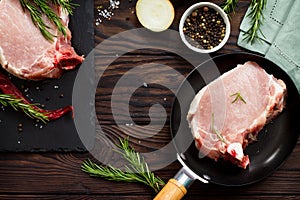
[(59, 135)]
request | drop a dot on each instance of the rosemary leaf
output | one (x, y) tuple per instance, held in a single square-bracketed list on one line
[(214, 130), (229, 6), (28, 109), (255, 14), (67, 5), (136, 170), (40, 8), (256, 17), (36, 17), (237, 96), (51, 15)]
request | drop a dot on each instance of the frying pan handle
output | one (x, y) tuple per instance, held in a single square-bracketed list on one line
[(176, 187), (173, 190)]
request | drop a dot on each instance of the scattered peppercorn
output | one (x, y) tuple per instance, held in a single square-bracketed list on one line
[(20, 127), (204, 28)]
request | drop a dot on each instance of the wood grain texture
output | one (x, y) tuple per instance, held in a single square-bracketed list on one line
[(58, 175)]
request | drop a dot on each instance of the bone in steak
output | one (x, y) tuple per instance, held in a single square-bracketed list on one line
[(229, 112), (24, 51)]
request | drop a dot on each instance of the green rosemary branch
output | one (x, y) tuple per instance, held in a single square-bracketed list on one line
[(40, 8), (237, 96), (229, 6), (256, 15), (67, 5), (136, 171), (51, 15), (18, 104), (36, 17), (214, 130)]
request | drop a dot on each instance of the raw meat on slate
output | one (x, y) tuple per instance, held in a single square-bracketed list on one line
[(25, 53)]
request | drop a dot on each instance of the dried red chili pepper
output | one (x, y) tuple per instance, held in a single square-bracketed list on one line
[(7, 87)]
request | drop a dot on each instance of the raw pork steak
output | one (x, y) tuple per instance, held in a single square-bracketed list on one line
[(229, 112), (24, 51)]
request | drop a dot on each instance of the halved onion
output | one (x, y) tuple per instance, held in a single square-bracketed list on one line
[(156, 15)]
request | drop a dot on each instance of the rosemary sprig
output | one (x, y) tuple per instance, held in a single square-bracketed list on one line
[(237, 96), (256, 15), (18, 104), (136, 171), (36, 17), (67, 5), (51, 15), (229, 6), (40, 8), (214, 130)]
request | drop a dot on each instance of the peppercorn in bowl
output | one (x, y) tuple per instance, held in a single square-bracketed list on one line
[(204, 27)]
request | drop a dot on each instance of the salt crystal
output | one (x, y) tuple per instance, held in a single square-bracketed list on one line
[(114, 4), (127, 124), (106, 13), (145, 84)]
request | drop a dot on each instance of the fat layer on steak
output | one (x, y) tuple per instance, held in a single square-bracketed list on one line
[(229, 112), (24, 51)]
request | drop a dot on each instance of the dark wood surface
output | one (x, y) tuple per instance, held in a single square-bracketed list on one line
[(58, 175)]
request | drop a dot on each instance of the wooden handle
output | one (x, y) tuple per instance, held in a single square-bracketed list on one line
[(173, 190)]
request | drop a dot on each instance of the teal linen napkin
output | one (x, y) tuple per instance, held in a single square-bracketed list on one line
[(280, 41)]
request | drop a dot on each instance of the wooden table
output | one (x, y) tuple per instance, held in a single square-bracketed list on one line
[(58, 175)]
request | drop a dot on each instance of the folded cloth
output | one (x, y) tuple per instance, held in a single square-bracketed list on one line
[(280, 40)]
